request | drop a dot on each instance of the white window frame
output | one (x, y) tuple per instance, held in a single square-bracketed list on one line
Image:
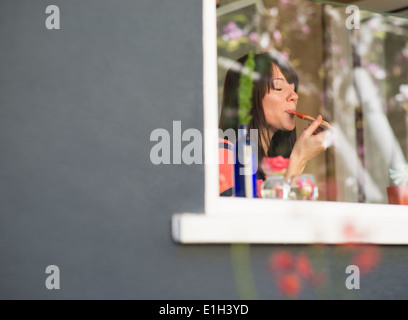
[(241, 220)]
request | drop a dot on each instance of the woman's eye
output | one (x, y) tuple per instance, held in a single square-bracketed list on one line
[(278, 85)]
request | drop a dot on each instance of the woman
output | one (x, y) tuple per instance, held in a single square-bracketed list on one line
[(274, 93)]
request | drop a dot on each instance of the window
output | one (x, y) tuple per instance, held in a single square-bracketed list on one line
[(356, 76)]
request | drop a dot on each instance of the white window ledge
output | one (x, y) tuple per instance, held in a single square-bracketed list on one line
[(296, 222)]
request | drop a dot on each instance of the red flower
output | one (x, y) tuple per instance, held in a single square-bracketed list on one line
[(281, 261), (275, 164), (293, 271), (290, 284), (367, 259), (303, 266)]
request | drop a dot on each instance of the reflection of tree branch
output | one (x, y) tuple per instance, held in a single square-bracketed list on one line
[(395, 25), (234, 6), (377, 121), (260, 7), (348, 154)]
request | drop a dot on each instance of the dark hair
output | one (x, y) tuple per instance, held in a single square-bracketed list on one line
[(282, 142)]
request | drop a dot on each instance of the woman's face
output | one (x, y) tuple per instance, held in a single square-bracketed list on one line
[(278, 101)]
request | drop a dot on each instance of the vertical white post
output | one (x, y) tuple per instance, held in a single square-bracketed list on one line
[(210, 97)]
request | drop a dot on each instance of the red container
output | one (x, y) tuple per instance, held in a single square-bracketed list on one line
[(397, 195)]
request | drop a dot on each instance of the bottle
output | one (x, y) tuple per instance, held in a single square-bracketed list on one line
[(245, 164)]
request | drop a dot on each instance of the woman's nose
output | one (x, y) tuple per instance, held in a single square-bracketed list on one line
[(292, 96)]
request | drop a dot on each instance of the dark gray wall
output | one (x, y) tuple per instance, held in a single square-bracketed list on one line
[(77, 187)]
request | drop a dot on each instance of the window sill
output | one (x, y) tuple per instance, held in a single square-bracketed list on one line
[(317, 222)]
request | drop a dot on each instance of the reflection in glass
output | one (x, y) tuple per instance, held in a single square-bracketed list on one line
[(303, 187)]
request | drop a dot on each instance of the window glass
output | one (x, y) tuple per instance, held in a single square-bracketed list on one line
[(354, 75)]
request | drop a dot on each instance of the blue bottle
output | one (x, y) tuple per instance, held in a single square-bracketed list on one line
[(245, 164)]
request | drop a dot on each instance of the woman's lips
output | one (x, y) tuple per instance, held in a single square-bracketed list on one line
[(291, 111)]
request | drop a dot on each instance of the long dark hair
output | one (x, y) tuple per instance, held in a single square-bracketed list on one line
[(282, 142)]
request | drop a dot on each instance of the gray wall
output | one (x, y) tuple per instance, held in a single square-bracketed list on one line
[(77, 187)]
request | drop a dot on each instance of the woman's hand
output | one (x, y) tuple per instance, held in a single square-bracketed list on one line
[(309, 145)]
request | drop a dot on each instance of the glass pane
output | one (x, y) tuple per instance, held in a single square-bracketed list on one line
[(357, 79)]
